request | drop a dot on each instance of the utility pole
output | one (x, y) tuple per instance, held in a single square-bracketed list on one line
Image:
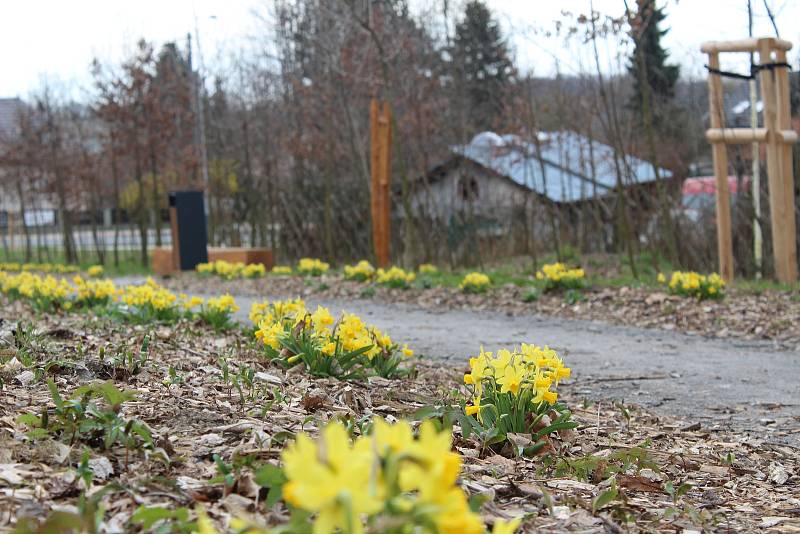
[(201, 120)]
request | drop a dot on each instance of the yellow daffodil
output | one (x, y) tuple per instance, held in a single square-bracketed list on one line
[(193, 302), (281, 269), (254, 270), (322, 319), (475, 409), (428, 268), (362, 271), (506, 527), (692, 284), (204, 524), (557, 275), (312, 267), (332, 478), (392, 438), (512, 379), (223, 304), (475, 283), (395, 277), (279, 321)]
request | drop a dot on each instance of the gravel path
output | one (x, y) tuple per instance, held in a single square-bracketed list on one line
[(718, 383)]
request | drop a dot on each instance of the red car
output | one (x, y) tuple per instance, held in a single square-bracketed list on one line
[(699, 194)]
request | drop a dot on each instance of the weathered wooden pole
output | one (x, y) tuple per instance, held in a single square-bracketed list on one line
[(786, 175), (780, 185), (380, 166), (717, 119)]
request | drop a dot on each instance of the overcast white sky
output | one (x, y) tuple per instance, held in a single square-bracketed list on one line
[(57, 39)]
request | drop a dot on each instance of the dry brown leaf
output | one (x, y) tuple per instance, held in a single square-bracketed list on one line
[(638, 483)]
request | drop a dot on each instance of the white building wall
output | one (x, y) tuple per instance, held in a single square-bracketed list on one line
[(446, 196)]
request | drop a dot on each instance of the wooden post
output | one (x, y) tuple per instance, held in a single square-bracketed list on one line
[(381, 163), (778, 137), (785, 265), (717, 112), (786, 173)]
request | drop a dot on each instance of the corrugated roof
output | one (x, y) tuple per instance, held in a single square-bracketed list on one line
[(575, 167)]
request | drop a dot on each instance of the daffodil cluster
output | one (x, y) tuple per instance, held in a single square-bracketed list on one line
[(395, 277), (558, 276), (312, 267), (57, 268), (190, 303), (230, 270), (388, 481), (150, 302), (46, 293), (276, 310), (144, 303), (363, 271), (95, 271), (475, 283), (205, 268), (514, 390), (254, 270), (346, 347), (217, 311), (91, 293), (49, 293), (428, 268), (281, 270), (692, 284)]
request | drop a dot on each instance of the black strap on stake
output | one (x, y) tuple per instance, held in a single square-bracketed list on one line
[(754, 69)]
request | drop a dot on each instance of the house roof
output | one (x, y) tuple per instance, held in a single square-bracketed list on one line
[(575, 167)]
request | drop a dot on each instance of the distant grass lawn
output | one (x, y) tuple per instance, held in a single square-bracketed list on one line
[(129, 262), (602, 270)]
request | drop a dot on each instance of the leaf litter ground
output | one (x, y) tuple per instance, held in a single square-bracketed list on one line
[(622, 469)]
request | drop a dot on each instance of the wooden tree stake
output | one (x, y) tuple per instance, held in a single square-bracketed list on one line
[(717, 119), (786, 174), (778, 137), (381, 165)]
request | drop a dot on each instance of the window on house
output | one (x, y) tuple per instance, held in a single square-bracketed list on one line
[(468, 188)]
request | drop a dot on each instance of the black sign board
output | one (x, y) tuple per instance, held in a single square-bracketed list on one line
[(189, 228)]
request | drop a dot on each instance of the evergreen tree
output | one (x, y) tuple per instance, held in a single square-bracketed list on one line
[(649, 59), (482, 68), (654, 87)]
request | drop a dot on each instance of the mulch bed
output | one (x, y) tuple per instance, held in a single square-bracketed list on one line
[(733, 482)]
